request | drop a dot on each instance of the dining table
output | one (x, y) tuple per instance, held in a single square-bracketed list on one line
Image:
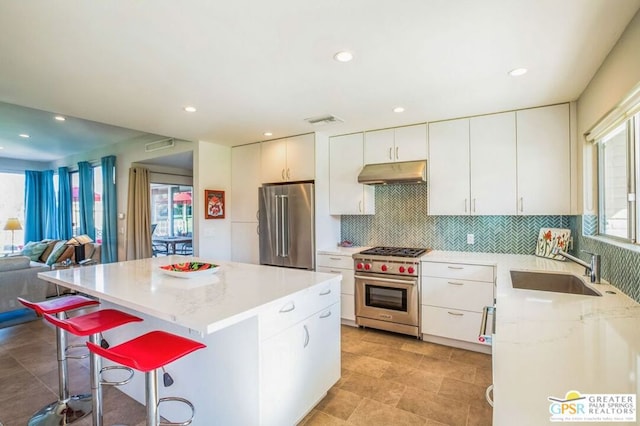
[(171, 241)]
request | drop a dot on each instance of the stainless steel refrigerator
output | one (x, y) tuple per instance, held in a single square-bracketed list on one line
[(286, 225)]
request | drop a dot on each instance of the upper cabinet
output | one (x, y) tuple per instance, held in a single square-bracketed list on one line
[(544, 161), (399, 144), (245, 181), (346, 195), (288, 160)]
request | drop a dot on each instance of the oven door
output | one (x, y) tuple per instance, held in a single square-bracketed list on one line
[(387, 299)]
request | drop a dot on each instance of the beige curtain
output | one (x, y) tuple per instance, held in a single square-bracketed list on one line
[(138, 215)]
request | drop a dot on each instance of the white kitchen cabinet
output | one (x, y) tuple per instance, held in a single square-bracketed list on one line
[(544, 165), (407, 143), (288, 160), (300, 355), (346, 195), (343, 265), (492, 145), (245, 242), (449, 167), (453, 297), (245, 181)]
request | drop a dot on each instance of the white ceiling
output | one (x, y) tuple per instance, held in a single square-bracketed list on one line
[(252, 66)]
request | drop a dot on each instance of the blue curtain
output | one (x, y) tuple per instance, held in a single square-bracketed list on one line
[(32, 206), (49, 208), (110, 204), (65, 206), (85, 195)]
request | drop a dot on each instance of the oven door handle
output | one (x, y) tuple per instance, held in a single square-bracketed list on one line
[(386, 280)]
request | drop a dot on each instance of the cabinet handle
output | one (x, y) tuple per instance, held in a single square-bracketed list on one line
[(360, 206), (474, 205), (455, 314), (288, 173), (521, 204), (288, 308), (335, 258), (455, 267), (257, 229), (397, 157), (257, 214), (326, 314), (282, 174), (325, 292), (465, 205), (390, 157), (306, 336), (335, 271), (454, 283)]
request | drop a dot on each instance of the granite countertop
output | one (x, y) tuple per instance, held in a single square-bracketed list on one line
[(205, 304), (547, 344)]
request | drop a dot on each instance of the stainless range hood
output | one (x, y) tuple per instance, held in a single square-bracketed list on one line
[(389, 173)]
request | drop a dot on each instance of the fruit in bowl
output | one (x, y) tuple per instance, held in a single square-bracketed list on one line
[(189, 269)]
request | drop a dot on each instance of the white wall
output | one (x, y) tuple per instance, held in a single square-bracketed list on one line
[(212, 170), (19, 166), (615, 78)]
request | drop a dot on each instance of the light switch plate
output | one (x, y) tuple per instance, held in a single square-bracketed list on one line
[(471, 239)]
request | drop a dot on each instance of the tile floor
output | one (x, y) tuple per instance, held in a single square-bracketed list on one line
[(387, 379)]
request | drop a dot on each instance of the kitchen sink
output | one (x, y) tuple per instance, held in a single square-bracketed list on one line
[(556, 282)]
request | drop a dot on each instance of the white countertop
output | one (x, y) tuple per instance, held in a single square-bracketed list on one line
[(547, 344), (342, 251), (204, 304)]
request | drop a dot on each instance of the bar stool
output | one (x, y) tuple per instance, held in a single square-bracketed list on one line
[(92, 325), (67, 409), (149, 353)]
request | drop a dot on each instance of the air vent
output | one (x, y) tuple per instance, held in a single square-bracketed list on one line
[(325, 119), (157, 145)]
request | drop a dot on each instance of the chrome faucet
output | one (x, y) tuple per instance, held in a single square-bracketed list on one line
[(592, 269)]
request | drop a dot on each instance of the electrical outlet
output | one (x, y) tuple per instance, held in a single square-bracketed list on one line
[(471, 239)]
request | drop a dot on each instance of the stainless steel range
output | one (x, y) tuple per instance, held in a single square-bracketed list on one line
[(387, 287)]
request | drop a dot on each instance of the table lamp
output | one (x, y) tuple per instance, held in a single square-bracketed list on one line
[(13, 225), (78, 242)]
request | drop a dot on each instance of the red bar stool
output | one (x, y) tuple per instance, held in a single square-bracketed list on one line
[(149, 353), (92, 325), (67, 409)]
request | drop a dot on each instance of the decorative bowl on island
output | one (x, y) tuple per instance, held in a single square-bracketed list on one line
[(190, 269)]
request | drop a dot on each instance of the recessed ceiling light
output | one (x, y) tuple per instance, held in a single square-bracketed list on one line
[(517, 71), (343, 56), (268, 134), (60, 118), (190, 109), (1, 147), (398, 109), (24, 135)]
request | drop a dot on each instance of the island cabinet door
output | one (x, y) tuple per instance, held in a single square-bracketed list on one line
[(298, 366)]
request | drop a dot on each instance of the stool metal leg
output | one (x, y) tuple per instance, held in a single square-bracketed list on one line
[(96, 388), (67, 409), (151, 384)]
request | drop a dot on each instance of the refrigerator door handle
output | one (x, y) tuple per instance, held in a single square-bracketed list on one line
[(284, 229), (277, 223)]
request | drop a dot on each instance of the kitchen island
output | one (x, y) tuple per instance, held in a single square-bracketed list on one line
[(272, 334)]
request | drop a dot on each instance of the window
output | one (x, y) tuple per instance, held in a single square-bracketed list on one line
[(11, 205), (97, 202), (617, 165), (171, 210)]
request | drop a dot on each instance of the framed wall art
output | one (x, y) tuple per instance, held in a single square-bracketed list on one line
[(214, 206)]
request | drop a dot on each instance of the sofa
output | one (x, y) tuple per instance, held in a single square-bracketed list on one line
[(19, 273)]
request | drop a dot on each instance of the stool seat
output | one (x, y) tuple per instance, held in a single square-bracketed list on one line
[(149, 351), (94, 322), (60, 304)]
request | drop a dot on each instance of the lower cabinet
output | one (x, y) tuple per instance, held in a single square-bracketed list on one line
[(453, 297), (341, 264), (299, 355)]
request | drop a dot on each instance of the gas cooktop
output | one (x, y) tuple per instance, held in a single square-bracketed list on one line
[(395, 251)]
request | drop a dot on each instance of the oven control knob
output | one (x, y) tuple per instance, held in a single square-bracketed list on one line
[(401, 269), (359, 266), (384, 268), (411, 270), (367, 266)]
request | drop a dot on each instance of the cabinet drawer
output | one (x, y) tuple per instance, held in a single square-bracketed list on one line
[(451, 323), (335, 261), (347, 286), (347, 307), (459, 271), (457, 294), (283, 313)]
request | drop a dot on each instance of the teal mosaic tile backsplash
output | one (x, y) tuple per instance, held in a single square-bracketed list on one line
[(401, 220)]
